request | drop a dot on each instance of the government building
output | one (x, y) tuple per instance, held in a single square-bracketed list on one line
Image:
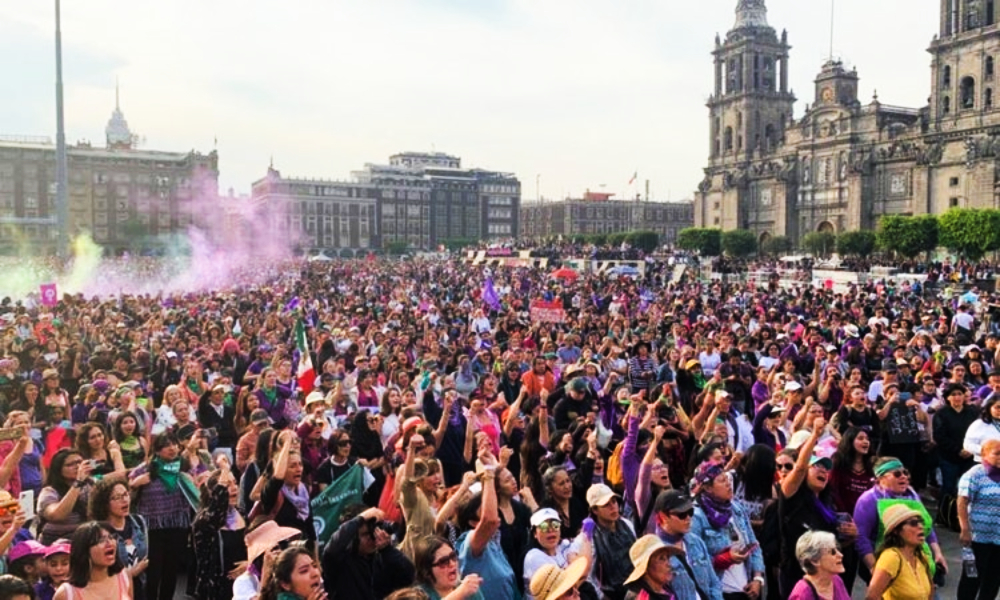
[(845, 164)]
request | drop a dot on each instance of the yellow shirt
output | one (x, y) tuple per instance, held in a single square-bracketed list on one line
[(909, 582)]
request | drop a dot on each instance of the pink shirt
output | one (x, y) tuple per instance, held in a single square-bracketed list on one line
[(804, 591)]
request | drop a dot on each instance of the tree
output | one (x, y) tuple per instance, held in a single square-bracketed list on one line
[(778, 244), (819, 243), (908, 236), (856, 243), (647, 241), (616, 239), (706, 241), (971, 232), (396, 247), (739, 243)]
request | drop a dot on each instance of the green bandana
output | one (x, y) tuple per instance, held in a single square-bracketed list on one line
[(167, 472), (892, 465)]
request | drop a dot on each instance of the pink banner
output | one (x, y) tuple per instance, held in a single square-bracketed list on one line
[(50, 295)]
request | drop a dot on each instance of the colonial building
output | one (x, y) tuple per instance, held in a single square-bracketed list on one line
[(126, 198), (844, 164), (599, 213)]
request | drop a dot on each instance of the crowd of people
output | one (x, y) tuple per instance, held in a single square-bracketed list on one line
[(656, 439)]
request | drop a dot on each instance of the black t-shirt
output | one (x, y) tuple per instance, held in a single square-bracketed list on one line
[(287, 515), (797, 514), (328, 472)]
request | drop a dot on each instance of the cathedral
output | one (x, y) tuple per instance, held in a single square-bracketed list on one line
[(844, 163)]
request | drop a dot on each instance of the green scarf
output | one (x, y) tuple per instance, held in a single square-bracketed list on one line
[(192, 384), (288, 596), (167, 472), (130, 443)]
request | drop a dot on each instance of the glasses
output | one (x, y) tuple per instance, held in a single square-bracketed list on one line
[(444, 561), (914, 522), (373, 419), (786, 466), (549, 526), (683, 515), (104, 540), (834, 551), (9, 509), (343, 443), (119, 497), (900, 473)]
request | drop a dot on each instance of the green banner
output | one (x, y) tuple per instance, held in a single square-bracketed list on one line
[(346, 490)]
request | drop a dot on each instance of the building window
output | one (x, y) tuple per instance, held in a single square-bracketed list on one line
[(968, 91), (715, 221), (946, 105), (953, 182), (715, 206), (728, 139), (952, 202), (946, 78), (988, 99), (989, 68)]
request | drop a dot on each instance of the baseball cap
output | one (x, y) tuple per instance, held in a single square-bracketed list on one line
[(824, 461), (60, 546), (599, 494), (793, 386), (673, 501), (26, 548), (544, 514)]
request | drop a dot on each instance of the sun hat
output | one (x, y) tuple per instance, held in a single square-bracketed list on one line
[(642, 550), (267, 536), (798, 438), (692, 364), (599, 494), (551, 582), (851, 330), (544, 514), (895, 515), (314, 397)]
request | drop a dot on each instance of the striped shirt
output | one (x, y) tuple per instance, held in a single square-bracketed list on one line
[(984, 504)]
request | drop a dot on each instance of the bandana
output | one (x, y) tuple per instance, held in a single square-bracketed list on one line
[(718, 512), (884, 468), (167, 472)]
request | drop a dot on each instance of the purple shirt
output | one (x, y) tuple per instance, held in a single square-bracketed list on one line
[(867, 520)]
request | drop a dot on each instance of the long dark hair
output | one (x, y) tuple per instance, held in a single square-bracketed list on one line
[(83, 438), (843, 458), (985, 415), (84, 538), (756, 472), (262, 452), (282, 572), (54, 478), (424, 559)]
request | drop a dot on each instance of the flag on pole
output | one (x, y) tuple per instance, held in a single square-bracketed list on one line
[(237, 329), (635, 176), (305, 375), (490, 296), (344, 491), (50, 295)]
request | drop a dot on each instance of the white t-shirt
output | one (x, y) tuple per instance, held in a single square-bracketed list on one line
[(536, 559)]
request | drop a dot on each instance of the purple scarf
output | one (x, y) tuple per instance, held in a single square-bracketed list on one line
[(824, 511), (717, 511), (992, 472)]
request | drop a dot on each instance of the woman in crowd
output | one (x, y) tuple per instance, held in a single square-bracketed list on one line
[(218, 536), (654, 477), (554, 583), (418, 487), (93, 445), (295, 576), (822, 562), (892, 485), (62, 503), (56, 570), (263, 545), (515, 520), (30, 470), (272, 398), (132, 443), (904, 570), (857, 413), (95, 569), (651, 571), (479, 550), (284, 498), (852, 474), (389, 408), (438, 574), (161, 500), (572, 510), (366, 444), (164, 418), (341, 459), (109, 503), (725, 528), (987, 427), (51, 393), (313, 449)]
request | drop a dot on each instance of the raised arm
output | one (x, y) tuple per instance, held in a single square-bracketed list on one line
[(794, 480)]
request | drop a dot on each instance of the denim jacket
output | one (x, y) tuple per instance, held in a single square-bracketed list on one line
[(719, 540), (701, 565)]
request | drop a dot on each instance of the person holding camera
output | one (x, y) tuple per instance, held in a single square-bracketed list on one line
[(360, 561), (62, 503), (218, 417)]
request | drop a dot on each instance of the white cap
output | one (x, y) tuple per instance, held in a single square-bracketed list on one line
[(792, 386), (544, 514)]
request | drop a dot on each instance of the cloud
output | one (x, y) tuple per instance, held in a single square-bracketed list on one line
[(582, 92)]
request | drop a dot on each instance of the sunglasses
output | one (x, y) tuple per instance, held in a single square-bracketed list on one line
[(683, 515), (914, 522), (898, 473), (445, 560), (549, 526), (786, 466), (9, 509)]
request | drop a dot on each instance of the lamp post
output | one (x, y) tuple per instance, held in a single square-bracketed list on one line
[(62, 203)]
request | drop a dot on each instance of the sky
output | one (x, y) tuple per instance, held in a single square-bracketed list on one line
[(568, 95)]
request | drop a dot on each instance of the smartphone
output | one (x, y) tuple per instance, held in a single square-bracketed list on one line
[(27, 502)]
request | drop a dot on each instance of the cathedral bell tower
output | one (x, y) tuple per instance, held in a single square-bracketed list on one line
[(749, 108), (963, 68)]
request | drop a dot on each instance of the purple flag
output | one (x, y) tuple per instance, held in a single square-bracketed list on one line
[(50, 295), (490, 296), (292, 304)]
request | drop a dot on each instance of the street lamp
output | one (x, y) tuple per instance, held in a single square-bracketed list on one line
[(62, 203)]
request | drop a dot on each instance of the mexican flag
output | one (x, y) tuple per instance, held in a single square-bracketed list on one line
[(346, 490), (305, 375)]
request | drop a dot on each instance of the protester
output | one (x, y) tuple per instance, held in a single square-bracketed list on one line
[(95, 569), (823, 563), (903, 570), (978, 512)]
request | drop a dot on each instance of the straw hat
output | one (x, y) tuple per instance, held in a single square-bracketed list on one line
[(895, 515), (642, 550), (267, 536), (551, 582)]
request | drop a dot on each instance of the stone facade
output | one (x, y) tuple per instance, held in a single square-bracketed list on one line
[(587, 215), (843, 164)]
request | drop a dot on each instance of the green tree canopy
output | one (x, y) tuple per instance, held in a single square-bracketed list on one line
[(856, 243), (778, 244), (819, 243), (739, 243), (647, 241), (707, 241), (972, 232), (908, 236)]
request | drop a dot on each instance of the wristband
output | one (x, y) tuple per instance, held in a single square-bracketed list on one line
[(759, 579), (80, 484)]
